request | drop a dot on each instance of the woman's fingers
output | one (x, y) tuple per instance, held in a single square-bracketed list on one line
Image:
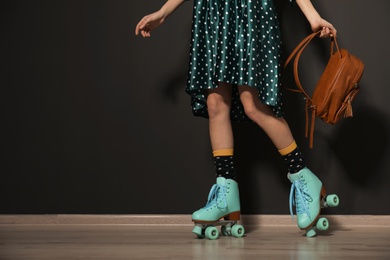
[(142, 27), (328, 32)]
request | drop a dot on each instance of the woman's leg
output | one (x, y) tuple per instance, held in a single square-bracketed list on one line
[(224, 201), (275, 127), (218, 106), (220, 128), (303, 180)]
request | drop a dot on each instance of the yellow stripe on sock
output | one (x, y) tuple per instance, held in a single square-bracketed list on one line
[(288, 149), (223, 152)]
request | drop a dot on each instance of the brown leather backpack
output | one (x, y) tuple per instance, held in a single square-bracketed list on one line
[(336, 88)]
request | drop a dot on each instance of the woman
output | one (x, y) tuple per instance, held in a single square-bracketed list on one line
[(235, 74)]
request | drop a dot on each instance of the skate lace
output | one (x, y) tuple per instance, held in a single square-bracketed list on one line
[(301, 198), (215, 194)]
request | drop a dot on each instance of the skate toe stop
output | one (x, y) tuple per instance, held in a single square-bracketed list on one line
[(311, 233)]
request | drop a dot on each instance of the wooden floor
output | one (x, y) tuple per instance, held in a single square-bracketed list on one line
[(113, 241)]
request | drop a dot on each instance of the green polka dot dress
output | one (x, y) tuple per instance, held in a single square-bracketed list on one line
[(236, 42)]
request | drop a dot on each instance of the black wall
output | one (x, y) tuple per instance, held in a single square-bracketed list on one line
[(95, 120)]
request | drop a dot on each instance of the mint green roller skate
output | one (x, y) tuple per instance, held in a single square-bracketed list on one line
[(310, 196), (222, 209)]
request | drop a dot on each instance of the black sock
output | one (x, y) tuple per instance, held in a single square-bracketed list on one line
[(224, 167), (294, 161)]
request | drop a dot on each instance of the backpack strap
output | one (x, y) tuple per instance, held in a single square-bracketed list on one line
[(297, 52)]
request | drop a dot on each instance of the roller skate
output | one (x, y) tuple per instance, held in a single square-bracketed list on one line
[(310, 196), (222, 209)]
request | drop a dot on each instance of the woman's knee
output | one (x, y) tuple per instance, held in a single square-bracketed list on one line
[(253, 108), (219, 100), (248, 102), (217, 105)]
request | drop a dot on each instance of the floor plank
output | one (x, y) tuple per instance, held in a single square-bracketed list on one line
[(177, 242)]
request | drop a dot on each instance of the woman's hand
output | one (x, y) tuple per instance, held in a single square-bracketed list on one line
[(327, 29), (315, 20), (149, 23), (154, 20)]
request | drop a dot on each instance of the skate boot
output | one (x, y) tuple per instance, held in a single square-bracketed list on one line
[(308, 195), (222, 209)]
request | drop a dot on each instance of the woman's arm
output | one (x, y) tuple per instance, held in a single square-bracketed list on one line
[(152, 21), (315, 20)]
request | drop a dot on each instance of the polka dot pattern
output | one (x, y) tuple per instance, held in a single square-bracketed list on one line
[(224, 167), (294, 161), (236, 42)]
